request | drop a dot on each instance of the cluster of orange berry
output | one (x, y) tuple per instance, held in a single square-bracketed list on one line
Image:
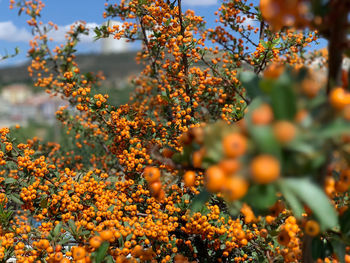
[(289, 238)]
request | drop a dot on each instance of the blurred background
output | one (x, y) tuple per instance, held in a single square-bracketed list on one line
[(30, 107)]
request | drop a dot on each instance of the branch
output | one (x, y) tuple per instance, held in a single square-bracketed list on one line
[(47, 48), (339, 15), (228, 83), (184, 55)]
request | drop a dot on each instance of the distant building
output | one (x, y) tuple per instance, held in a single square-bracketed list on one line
[(19, 105), (111, 45), (44, 107), (16, 93)]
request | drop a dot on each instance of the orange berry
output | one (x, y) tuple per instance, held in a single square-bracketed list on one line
[(185, 138), (121, 259), (152, 174), (341, 187), (127, 244), (301, 116), (244, 242), (345, 176), (156, 187), (263, 115), (215, 178), (78, 253), (284, 131), (265, 169), (107, 235), (263, 233), (58, 256), (235, 188), (342, 210), (346, 112), (44, 243), (58, 248), (312, 228), (197, 158), (230, 166), (189, 178), (277, 208), (283, 238), (242, 125), (137, 251), (160, 195), (96, 241), (339, 98), (198, 134), (270, 219), (167, 153), (310, 87), (65, 260), (234, 145), (274, 70)]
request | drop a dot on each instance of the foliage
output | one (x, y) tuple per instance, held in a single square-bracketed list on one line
[(226, 152)]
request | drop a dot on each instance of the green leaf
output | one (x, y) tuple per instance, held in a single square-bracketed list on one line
[(264, 44), (199, 201), (261, 196), (314, 197), (57, 229), (84, 233), (64, 241), (213, 143), (336, 128), (109, 259), (101, 252), (15, 199), (345, 222), (291, 199), (302, 147), (339, 249), (250, 82), (234, 208), (266, 85), (121, 241), (128, 237), (111, 208), (10, 180), (264, 137), (283, 100), (72, 226)]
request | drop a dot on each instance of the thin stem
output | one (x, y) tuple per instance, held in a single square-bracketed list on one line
[(184, 55), (228, 83)]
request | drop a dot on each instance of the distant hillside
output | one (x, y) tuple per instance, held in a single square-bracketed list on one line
[(114, 66), (117, 69)]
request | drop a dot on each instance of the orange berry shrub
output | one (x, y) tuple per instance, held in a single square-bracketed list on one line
[(220, 155)]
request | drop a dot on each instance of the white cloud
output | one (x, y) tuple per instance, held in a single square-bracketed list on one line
[(59, 34), (200, 2), (250, 21), (10, 32)]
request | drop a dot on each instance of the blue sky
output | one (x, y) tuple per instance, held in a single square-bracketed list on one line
[(14, 31)]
